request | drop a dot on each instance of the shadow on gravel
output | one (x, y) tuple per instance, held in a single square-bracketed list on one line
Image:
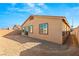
[(44, 49)]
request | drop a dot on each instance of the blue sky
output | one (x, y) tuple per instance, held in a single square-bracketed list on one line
[(17, 13)]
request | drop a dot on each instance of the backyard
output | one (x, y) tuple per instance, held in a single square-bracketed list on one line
[(18, 45)]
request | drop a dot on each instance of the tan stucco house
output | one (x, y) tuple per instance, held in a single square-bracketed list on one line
[(50, 28)]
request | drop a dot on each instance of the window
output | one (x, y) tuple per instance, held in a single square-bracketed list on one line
[(31, 28), (25, 29), (43, 28)]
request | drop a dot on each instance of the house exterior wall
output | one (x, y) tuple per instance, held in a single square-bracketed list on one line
[(65, 27), (55, 28), (76, 32), (65, 30)]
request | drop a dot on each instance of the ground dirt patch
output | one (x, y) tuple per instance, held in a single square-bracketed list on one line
[(18, 45)]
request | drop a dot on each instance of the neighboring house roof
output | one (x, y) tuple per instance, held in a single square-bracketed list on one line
[(62, 18), (17, 27), (76, 27)]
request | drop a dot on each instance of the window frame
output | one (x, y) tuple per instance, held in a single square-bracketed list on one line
[(29, 28), (42, 31)]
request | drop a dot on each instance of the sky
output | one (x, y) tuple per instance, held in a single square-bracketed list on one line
[(17, 13)]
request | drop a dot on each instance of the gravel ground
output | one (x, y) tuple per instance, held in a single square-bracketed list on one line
[(17, 45)]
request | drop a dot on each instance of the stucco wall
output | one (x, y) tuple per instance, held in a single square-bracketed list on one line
[(65, 27), (66, 30), (77, 35), (55, 32), (54, 28), (76, 32)]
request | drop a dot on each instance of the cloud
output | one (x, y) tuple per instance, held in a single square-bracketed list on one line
[(32, 8), (73, 14), (42, 5), (37, 8), (13, 8), (32, 5), (38, 11), (73, 11)]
